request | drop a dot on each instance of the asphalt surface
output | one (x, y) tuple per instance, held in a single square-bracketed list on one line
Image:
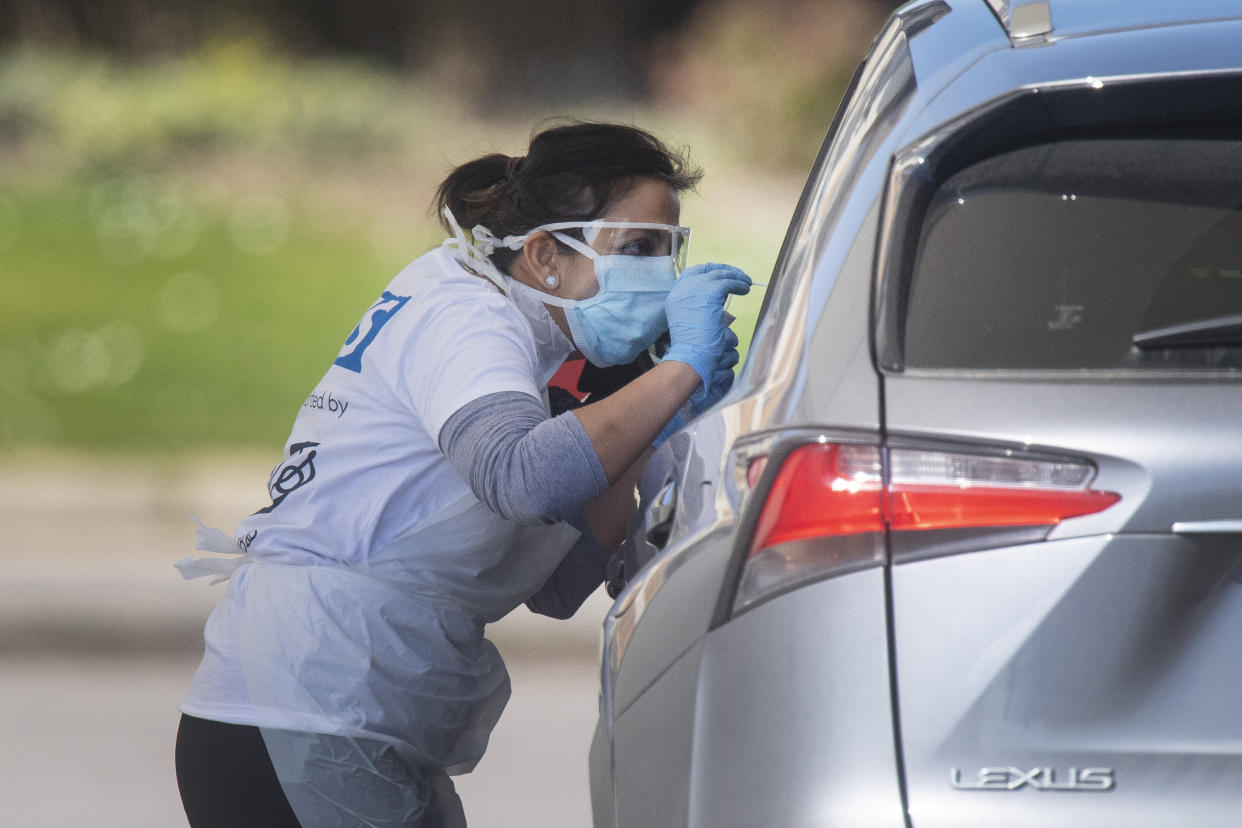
[(99, 636)]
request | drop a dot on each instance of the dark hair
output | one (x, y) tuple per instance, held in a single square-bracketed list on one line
[(569, 173)]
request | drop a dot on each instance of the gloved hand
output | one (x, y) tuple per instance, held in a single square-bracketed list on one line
[(695, 308), (722, 377), (705, 398)]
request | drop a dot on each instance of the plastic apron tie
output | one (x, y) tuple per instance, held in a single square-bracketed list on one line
[(210, 539)]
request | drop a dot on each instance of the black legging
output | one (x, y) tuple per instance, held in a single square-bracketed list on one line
[(227, 779)]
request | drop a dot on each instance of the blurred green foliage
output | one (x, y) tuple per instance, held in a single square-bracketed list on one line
[(91, 111), (141, 321), (185, 243)]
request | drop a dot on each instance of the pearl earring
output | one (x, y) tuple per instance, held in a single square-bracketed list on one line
[(550, 280)]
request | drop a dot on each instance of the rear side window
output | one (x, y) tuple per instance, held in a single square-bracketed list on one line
[(1100, 254)]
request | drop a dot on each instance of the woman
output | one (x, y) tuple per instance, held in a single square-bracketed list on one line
[(426, 491)]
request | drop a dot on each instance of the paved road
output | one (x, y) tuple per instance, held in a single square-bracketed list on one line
[(98, 638)]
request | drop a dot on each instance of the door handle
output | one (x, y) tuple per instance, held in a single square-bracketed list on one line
[(658, 519), (1208, 527)]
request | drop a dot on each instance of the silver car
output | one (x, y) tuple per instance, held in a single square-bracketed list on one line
[(963, 547)]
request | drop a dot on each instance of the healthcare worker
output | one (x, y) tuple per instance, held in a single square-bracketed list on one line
[(426, 491)]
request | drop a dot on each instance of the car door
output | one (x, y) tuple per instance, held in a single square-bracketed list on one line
[(1061, 342)]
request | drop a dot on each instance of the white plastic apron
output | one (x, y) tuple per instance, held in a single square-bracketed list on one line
[(389, 655)]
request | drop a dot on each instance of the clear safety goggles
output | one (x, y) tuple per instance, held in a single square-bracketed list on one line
[(616, 238)]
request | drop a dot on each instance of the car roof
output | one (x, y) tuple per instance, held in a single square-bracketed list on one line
[(1076, 18), (967, 53)]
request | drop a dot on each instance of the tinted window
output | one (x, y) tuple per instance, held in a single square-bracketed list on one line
[(1090, 254)]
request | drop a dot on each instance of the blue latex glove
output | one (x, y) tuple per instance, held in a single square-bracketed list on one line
[(695, 311), (722, 377), (722, 381)]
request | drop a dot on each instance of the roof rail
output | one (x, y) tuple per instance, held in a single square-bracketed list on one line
[(1023, 20)]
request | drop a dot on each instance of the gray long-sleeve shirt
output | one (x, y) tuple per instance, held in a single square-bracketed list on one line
[(532, 469)]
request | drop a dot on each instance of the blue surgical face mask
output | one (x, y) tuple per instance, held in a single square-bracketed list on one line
[(625, 316)]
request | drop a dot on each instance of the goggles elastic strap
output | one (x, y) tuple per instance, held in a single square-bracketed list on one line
[(584, 249)]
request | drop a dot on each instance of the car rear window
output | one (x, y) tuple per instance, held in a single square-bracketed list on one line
[(1085, 254)]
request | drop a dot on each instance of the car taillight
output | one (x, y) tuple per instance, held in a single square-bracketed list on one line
[(828, 507), (823, 514), (943, 490), (822, 490)]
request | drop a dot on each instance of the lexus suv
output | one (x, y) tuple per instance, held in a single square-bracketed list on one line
[(963, 546)]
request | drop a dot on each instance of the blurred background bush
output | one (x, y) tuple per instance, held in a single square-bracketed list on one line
[(197, 201)]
